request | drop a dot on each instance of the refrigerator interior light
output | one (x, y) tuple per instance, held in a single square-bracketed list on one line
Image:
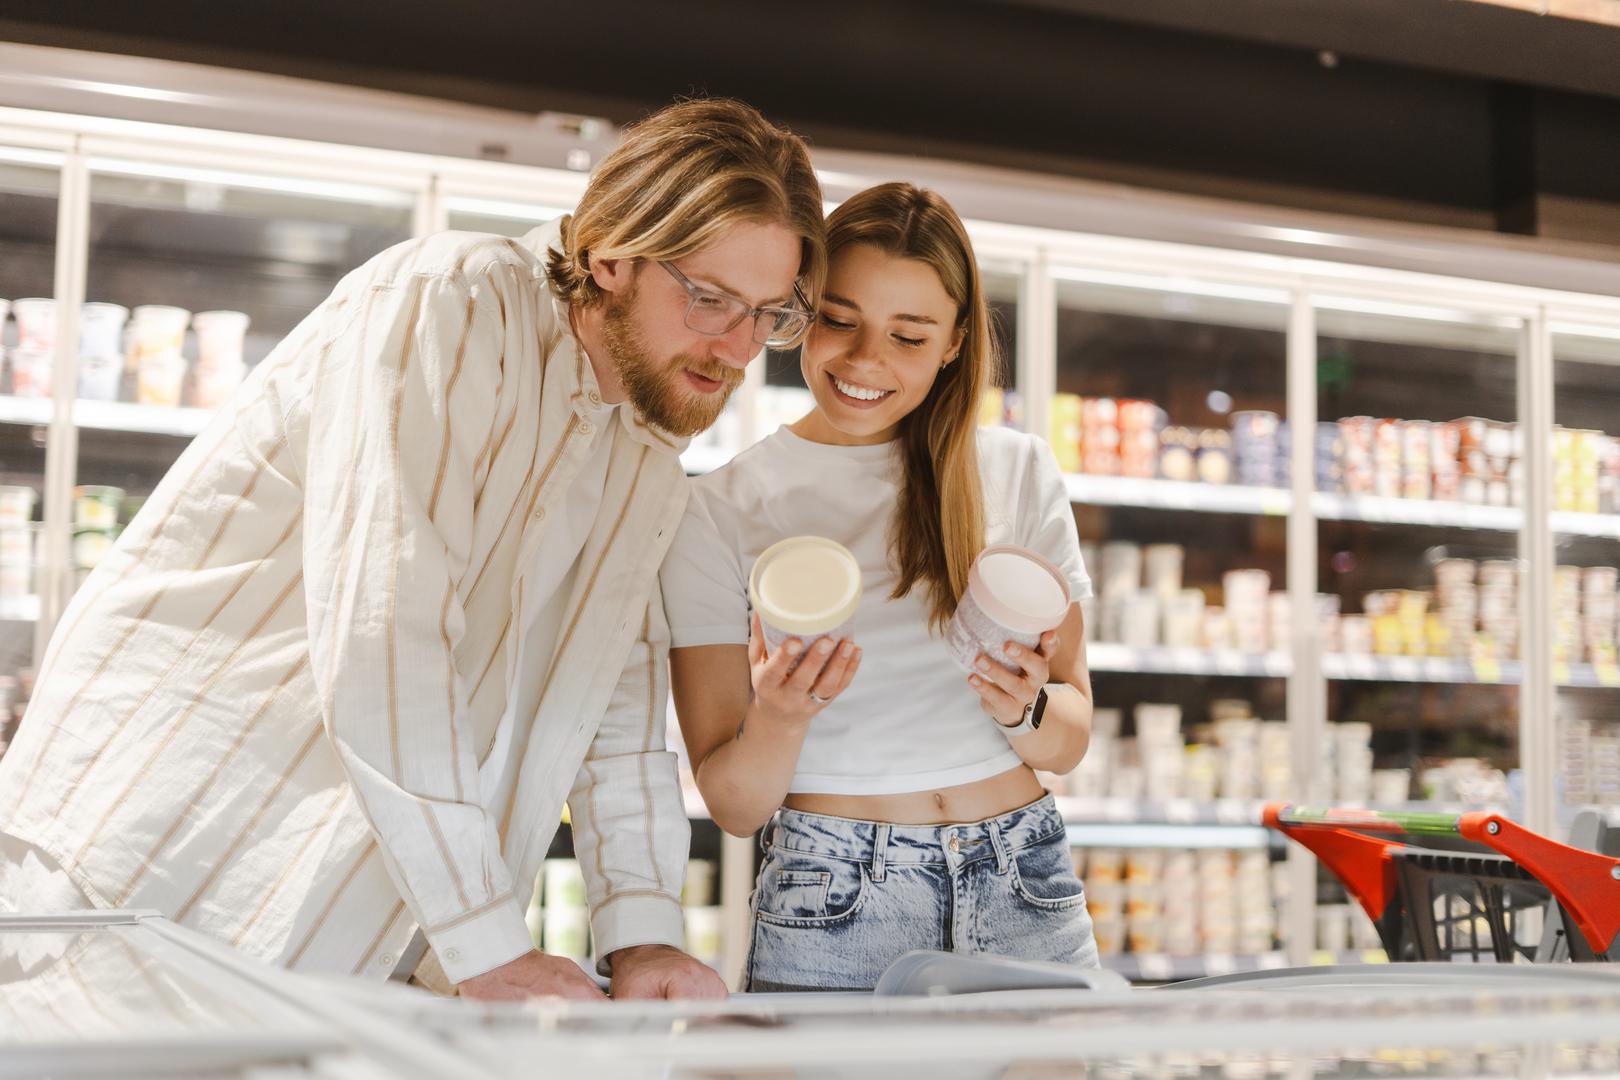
[(22, 155), (288, 185), (502, 208), (1259, 294), (1589, 330), (1396, 310), (127, 90)]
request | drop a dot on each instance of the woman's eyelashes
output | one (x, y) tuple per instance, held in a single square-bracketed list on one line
[(841, 326)]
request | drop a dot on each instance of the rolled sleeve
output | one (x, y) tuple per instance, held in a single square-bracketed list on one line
[(482, 940), (631, 833)]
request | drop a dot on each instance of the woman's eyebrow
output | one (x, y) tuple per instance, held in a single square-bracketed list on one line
[(844, 301)]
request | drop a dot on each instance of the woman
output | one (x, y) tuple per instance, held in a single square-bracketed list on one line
[(903, 808)]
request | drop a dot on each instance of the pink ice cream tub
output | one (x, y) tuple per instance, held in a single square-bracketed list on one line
[(1012, 595)]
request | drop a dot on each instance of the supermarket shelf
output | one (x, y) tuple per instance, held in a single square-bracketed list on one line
[(1180, 837), (1174, 823), (1342, 667), (1570, 524), (1379, 509), (1176, 495), (1159, 967), (148, 419), (23, 609), (109, 416), (1164, 660), (1235, 499), (29, 411)]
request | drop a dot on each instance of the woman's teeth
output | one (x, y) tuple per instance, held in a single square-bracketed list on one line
[(860, 393)]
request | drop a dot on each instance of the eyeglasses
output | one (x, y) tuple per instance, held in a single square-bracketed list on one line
[(715, 313)]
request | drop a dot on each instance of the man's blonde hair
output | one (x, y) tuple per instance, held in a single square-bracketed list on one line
[(680, 179)]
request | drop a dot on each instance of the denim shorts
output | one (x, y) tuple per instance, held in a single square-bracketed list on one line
[(838, 900)]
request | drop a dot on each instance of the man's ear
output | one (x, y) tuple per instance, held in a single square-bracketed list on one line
[(613, 275)]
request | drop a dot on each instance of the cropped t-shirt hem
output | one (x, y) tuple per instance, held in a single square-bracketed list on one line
[(903, 783)]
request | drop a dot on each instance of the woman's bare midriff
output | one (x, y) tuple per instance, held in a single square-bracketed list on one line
[(981, 799)]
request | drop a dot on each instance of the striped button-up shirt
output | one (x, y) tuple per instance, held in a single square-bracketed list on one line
[(278, 710)]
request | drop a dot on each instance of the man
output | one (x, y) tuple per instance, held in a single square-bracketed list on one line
[(339, 676)]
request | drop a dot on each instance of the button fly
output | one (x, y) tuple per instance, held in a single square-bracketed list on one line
[(956, 845)]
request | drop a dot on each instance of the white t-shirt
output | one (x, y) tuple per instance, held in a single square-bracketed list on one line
[(909, 721)]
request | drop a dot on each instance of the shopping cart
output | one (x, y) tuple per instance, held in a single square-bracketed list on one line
[(1466, 886)]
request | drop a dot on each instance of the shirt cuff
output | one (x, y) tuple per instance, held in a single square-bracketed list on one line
[(643, 919), (482, 940)]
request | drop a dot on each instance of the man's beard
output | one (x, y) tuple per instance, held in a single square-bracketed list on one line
[(655, 390)]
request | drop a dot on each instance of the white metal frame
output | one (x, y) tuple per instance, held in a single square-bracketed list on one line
[(1040, 256)]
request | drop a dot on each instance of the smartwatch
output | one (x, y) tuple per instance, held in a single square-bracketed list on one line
[(1031, 720)]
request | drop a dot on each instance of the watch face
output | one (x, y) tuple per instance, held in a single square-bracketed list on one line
[(1038, 706)]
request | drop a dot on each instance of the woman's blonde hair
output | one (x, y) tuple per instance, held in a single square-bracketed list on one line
[(680, 178), (938, 526)]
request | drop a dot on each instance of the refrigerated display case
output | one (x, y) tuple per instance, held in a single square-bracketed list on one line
[(29, 184), (1217, 357), (1584, 519)]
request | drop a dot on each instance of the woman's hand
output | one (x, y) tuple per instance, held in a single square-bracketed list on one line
[(1003, 694), (792, 694)]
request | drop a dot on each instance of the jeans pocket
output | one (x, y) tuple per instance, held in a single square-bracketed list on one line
[(804, 891), (1043, 877)]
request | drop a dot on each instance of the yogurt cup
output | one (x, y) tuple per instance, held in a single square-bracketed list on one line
[(159, 328), (1013, 595), (36, 323), (101, 375), (213, 386), (31, 372), (160, 378), (806, 587), (101, 329), (96, 506), (219, 338), (17, 504)]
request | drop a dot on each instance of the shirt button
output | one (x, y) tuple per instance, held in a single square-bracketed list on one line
[(594, 398), (387, 960), (539, 513), (452, 955), (585, 427)]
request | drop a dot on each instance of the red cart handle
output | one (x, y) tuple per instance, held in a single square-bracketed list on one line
[(1586, 883), (1362, 863)]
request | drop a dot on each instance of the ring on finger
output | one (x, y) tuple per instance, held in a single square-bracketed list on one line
[(818, 699)]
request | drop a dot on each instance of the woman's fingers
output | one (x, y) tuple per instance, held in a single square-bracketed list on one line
[(836, 675)]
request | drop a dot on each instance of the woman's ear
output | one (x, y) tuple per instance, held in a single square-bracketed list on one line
[(955, 348)]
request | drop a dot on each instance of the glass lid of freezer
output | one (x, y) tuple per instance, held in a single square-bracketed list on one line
[(1564, 1022), (105, 996)]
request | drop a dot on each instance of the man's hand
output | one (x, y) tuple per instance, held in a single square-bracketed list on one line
[(534, 974), (663, 971)]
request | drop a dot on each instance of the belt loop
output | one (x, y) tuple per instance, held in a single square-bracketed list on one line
[(880, 847), (766, 833), (998, 842)]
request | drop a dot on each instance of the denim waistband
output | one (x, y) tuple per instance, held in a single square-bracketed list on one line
[(881, 842)]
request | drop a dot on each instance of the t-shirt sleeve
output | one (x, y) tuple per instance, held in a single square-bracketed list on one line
[(705, 592), (1046, 518)]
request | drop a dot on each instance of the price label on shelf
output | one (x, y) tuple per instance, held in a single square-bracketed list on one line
[(1560, 673), (1119, 810), (1274, 503), (1220, 964), (1231, 662), (1487, 669), (1608, 674)]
